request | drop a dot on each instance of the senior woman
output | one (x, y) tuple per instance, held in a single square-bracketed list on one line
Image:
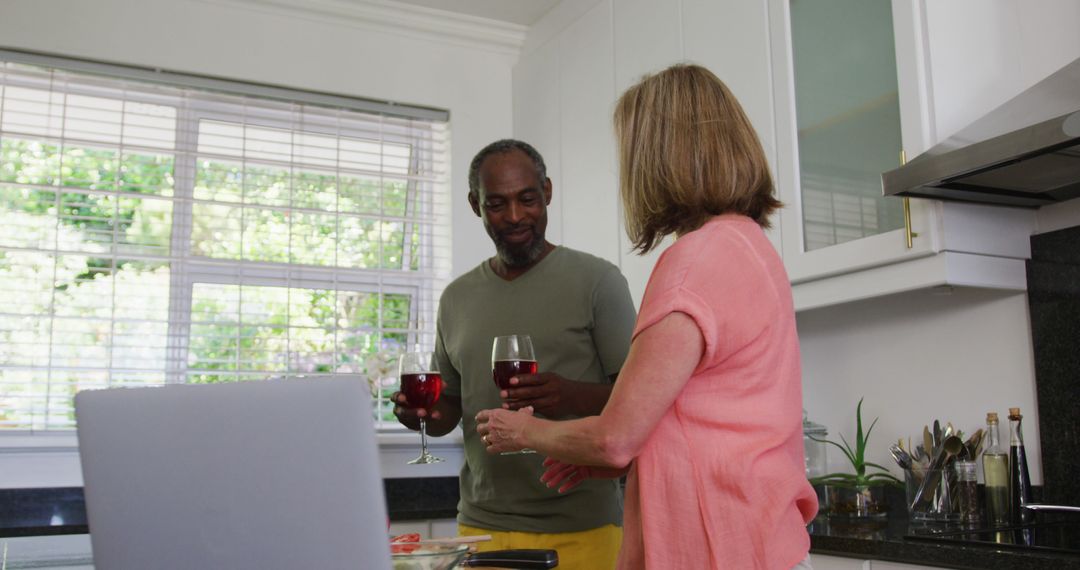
[(705, 417)]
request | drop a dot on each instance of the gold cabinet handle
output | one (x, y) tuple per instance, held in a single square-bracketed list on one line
[(908, 234)]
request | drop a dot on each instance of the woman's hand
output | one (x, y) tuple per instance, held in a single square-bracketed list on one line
[(573, 475), (503, 430)]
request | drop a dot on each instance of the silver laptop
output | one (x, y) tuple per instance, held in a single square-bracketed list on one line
[(260, 475)]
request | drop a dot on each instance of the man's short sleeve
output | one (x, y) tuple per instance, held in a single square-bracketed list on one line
[(613, 320), (450, 375)]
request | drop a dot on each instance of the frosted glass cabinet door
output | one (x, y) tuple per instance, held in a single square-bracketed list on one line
[(849, 98)]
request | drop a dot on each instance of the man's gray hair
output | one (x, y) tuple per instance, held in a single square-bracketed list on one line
[(498, 147)]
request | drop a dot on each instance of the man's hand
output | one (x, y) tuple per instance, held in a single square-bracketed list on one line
[(441, 419), (553, 396), (410, 417), (543, 392)]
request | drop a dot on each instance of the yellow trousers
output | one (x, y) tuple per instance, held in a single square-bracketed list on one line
[(595, 549)]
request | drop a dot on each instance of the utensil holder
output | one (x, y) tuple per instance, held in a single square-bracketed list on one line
[(941, 505)]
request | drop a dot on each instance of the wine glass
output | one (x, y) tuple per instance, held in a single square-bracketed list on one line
[(512, 355), (422, 384)]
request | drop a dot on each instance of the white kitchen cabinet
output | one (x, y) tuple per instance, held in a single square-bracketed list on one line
[(729, 38), (841, 240), (442, 528), (631, 21), (823, 562), (56, 552), (421, 527), (844, 110), (882, 565), (588, 159), (565, 86)]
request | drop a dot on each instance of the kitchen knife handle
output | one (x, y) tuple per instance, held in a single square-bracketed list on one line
[(524, 559)]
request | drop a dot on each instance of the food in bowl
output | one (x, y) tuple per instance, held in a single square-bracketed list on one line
[(412, 556)]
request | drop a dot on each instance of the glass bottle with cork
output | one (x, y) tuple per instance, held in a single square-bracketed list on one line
[(995, 474), (1019, 480)]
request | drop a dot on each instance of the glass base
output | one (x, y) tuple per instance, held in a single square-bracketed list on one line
[(426, 458), (854, 502), (518, 452)]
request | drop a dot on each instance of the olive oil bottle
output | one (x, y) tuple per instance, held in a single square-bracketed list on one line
[(995, 474)]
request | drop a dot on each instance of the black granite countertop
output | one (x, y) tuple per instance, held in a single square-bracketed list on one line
[(52, 511), (892, 539), (61, 510), (35, 512)]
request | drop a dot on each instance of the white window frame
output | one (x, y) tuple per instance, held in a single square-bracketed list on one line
[(423, 286)]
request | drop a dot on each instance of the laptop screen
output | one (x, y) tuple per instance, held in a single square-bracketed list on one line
[(265, 474)]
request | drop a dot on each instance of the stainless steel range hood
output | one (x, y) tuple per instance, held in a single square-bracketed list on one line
[(1024, 153)]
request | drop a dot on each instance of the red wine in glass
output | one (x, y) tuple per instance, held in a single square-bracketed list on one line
[(422, 389), (512, 355), (422, 385), (504, 370)]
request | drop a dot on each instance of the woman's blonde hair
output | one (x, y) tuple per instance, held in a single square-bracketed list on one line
[(687, 153)]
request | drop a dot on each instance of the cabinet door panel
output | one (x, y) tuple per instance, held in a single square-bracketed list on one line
[(536, 121), (404, 527), (443, 528), (590, 195), (648, 38), (632, 21), (839, 121), (731, 38), (882, 565), (823, 562)]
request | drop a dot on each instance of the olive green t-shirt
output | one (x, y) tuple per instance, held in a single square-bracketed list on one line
[(578, 311)]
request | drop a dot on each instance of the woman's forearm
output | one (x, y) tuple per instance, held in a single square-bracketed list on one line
[(583, 441), (660, 362)]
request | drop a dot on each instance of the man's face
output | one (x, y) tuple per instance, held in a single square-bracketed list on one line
[(512, 202)]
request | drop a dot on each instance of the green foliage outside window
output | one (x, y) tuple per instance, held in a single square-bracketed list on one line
[(103, 311)]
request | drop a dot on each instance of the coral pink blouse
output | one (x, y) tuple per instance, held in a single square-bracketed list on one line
[(721, 481)]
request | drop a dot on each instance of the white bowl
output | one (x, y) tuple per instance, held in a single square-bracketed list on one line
[(429, 556)]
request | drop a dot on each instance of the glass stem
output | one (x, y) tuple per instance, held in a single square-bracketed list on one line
[(423, 437)]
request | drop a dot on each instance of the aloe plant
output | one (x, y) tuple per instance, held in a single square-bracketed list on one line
[(857, 457)]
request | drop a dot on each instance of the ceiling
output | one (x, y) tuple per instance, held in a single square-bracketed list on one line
[(522, 12)]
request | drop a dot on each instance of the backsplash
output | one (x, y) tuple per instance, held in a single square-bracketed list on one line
[(1054, 300)]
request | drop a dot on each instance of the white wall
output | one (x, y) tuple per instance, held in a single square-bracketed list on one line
[(244, 40), (915, 358)]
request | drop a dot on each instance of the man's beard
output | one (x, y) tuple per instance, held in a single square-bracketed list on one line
[(519, 255)]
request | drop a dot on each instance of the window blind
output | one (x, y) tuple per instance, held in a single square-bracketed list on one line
[(154, 233)]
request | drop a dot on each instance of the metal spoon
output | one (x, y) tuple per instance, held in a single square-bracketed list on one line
[(950, 447)]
